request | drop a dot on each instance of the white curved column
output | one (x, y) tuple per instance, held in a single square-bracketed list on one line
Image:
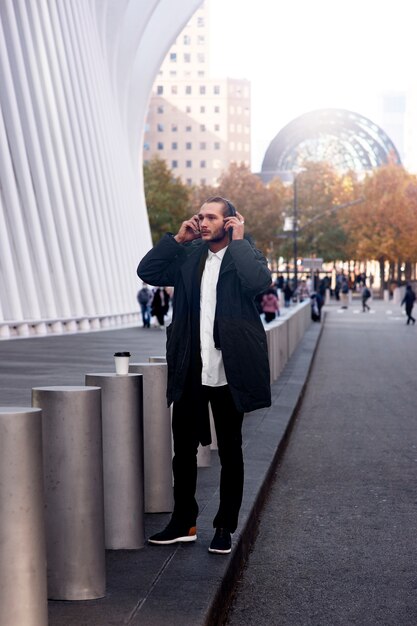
[(76, 79)]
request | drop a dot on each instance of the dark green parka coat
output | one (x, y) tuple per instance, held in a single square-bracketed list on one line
[(238, 330)]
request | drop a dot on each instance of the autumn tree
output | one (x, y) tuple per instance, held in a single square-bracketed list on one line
[(260, 205), (320, 191), (385, 226), (167, 198)]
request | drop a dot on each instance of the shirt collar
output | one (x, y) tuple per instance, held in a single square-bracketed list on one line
[(220, 254)]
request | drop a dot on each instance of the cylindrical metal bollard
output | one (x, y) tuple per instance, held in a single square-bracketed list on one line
[(122, 420), (73, 477), (23, 596), (157, 438)]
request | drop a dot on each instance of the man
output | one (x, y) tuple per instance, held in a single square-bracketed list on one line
[(216, 353), (408, 300), (144, 298)]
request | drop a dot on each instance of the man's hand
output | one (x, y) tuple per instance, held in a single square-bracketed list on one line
[(189, 230), (237, 223)]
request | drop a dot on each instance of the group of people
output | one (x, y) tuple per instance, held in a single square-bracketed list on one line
[(153, 303)]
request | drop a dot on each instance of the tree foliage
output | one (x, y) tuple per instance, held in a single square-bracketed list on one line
[(383, 226), (167, 198)]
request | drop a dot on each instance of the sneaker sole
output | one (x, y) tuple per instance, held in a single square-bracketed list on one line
[(185, 539), (214, 551)]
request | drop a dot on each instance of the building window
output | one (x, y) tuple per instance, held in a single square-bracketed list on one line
[(200, 22), (201, 73), (200, 57), (174, 89), (188, 90), (200, 40), (146, 146), (216, 90), (174, 145), (217, 109), (160, 109), (160, 128), (160, 145), (187, 40), (187, 57), (202, 109), (217, 127), (217, 145), (189, 181), (202, 164), (203, 145), (173, 72), (202, 89), (188, 145), (159, 90), (188, 109), (174, 128), (173, 57), (174, 164), (188, 129), (202, 127), (203, 181), (188, 164)]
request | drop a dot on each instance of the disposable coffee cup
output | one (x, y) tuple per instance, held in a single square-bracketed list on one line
[(121, 361)]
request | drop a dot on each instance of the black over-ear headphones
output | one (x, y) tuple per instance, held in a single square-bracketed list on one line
[(230, 207)]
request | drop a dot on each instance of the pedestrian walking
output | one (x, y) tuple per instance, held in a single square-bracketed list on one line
[(344, 292), (144, 297), (160, 305), (270, 305), (365, 295), (408, 300), (288, 292), (216, 354)]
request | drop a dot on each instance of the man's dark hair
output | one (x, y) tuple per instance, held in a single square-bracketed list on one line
[(228, 206)]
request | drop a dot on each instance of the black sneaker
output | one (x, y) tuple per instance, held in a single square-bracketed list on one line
[(222, 542), (174, 533)]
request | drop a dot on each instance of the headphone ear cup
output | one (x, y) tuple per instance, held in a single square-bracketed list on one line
[(232, 210)]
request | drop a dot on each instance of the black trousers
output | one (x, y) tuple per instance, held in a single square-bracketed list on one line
[(228, 424)]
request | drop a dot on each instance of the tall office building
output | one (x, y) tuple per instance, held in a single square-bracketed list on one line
[(196, 123)]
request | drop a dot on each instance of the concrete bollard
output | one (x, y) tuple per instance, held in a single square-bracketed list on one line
[(159, 496), (122, 422), (73, 477), (327, 298), (157, 359), (23, 595)]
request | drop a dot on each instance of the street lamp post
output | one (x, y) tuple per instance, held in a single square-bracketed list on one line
[(294, 232)]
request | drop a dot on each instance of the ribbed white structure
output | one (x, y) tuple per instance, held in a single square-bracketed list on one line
[(75, 78)]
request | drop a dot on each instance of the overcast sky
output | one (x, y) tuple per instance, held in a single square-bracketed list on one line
[(302, 55)]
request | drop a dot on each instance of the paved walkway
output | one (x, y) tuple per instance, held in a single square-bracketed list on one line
[(337, 542), (180, 585)]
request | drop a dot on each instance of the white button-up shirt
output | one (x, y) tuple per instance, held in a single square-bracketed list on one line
[(213, 374)]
